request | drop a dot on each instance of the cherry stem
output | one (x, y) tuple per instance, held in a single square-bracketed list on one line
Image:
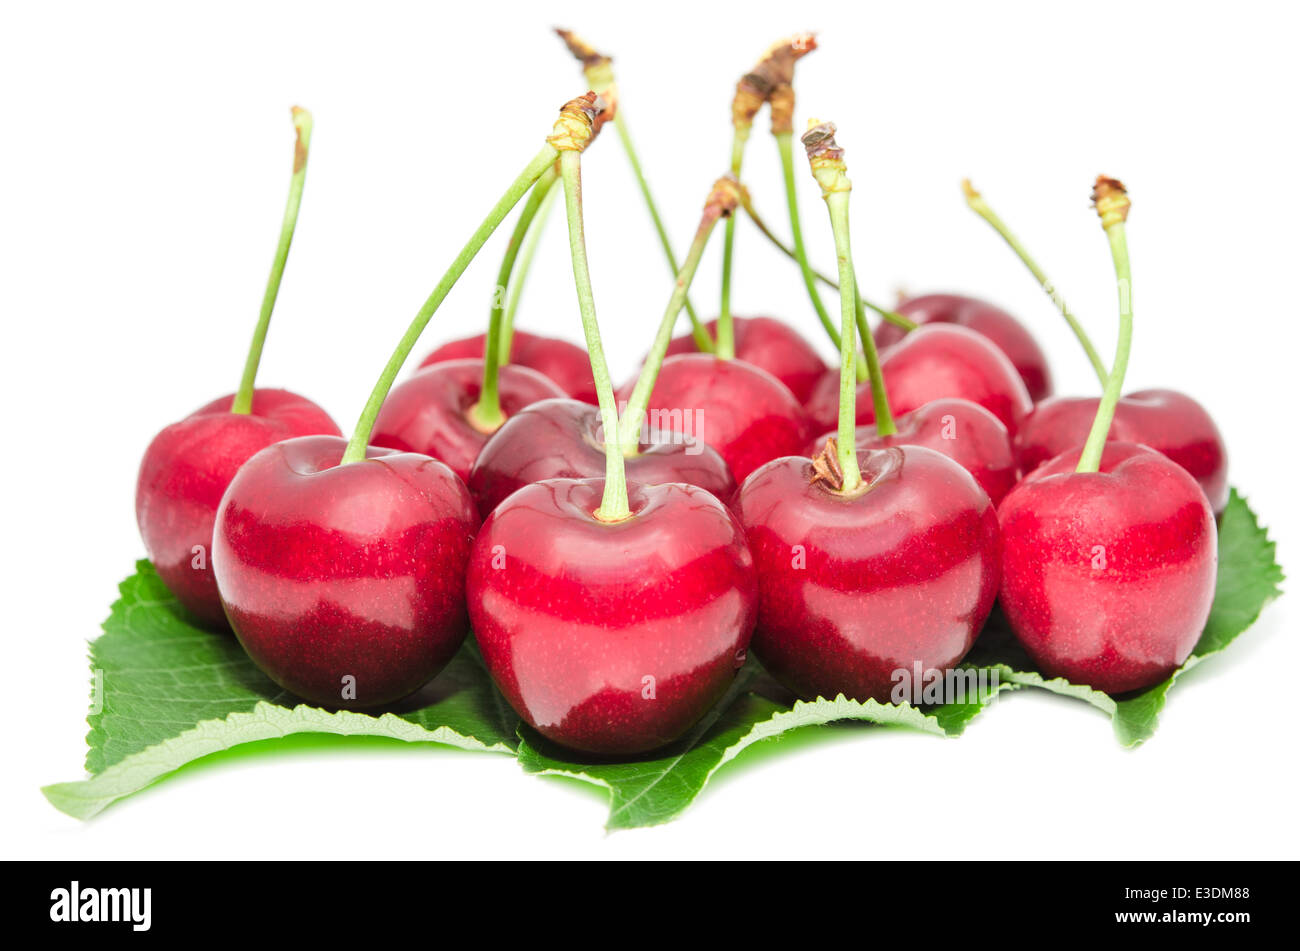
[(982, 208), (522, 268), (784, 143), (889, 316), (614, 505), (726, 343), (722, 202), (1112, 204), (356, 448), (486, 414), (302, 124)]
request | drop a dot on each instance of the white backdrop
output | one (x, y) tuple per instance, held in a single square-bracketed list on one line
[(144, 163)]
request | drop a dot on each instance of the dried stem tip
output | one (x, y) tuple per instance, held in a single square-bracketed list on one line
[(969, 190), (826, 466), (826, 158), (577, 125), (302, 123), (774, 73), (1110, 198), (726, 196), (597, 67), (582, 50)]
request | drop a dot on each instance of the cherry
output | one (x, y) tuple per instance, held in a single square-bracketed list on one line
[(1107, 577), (563, 363), (965, 432), (345, 583), (185, 471), (342, 566), (745, 413), (770, 345), (432, 412), (1007, 333), (188, 465), (612, 617), (1170, 422), (869, 562), (611, 637), (937, 361), (563, 439), (1109, 550)]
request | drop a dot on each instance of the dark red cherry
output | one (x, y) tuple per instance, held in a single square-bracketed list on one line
[(1107, 577), (185, 471), (854, 587), (563, 439), (771, 345), (564, 363), (611, 638), (1009, 334), (429, 413), (934, 362), (746, 414), (345, 583)]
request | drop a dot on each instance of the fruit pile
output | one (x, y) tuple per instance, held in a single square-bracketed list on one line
[(617, 552)]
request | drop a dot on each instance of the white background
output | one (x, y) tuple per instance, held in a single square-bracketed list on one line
[(144, 162)]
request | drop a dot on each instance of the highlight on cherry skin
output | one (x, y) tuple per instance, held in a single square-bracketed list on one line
[(345, 583)]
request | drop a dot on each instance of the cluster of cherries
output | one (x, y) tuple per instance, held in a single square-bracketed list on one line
[(616, 567)]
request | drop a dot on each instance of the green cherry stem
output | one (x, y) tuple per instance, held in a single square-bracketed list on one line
[(599, 71), (893, 317), (573, 126), (614, 503), (1111, 200), (726, 343), (522, 267), (486, 413), (721, 203), (982, 208), (302, 124)]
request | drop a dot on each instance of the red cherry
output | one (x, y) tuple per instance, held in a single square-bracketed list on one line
[(1107, 577), (770, 345), (185, 471), (855, 586), (1005, 331), (966, 433), (566, 364), (611, 638), (934, 362), (562, 439), (345, 583), (745, 413), (429, 413), (1168, 421)]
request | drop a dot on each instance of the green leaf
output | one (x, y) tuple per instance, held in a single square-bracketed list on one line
[(1248, 579), (660, 787), (173, 693)]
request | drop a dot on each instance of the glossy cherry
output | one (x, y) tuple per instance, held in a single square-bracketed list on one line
[(854, 587), (611, 638), (965, 432), (430, 412), (745, 413), (1168, 421), (563, 439), (935, 362), (1108, 576), (185, 471), (770, 345), (564, 363), (345, 583), (1009, 334)]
